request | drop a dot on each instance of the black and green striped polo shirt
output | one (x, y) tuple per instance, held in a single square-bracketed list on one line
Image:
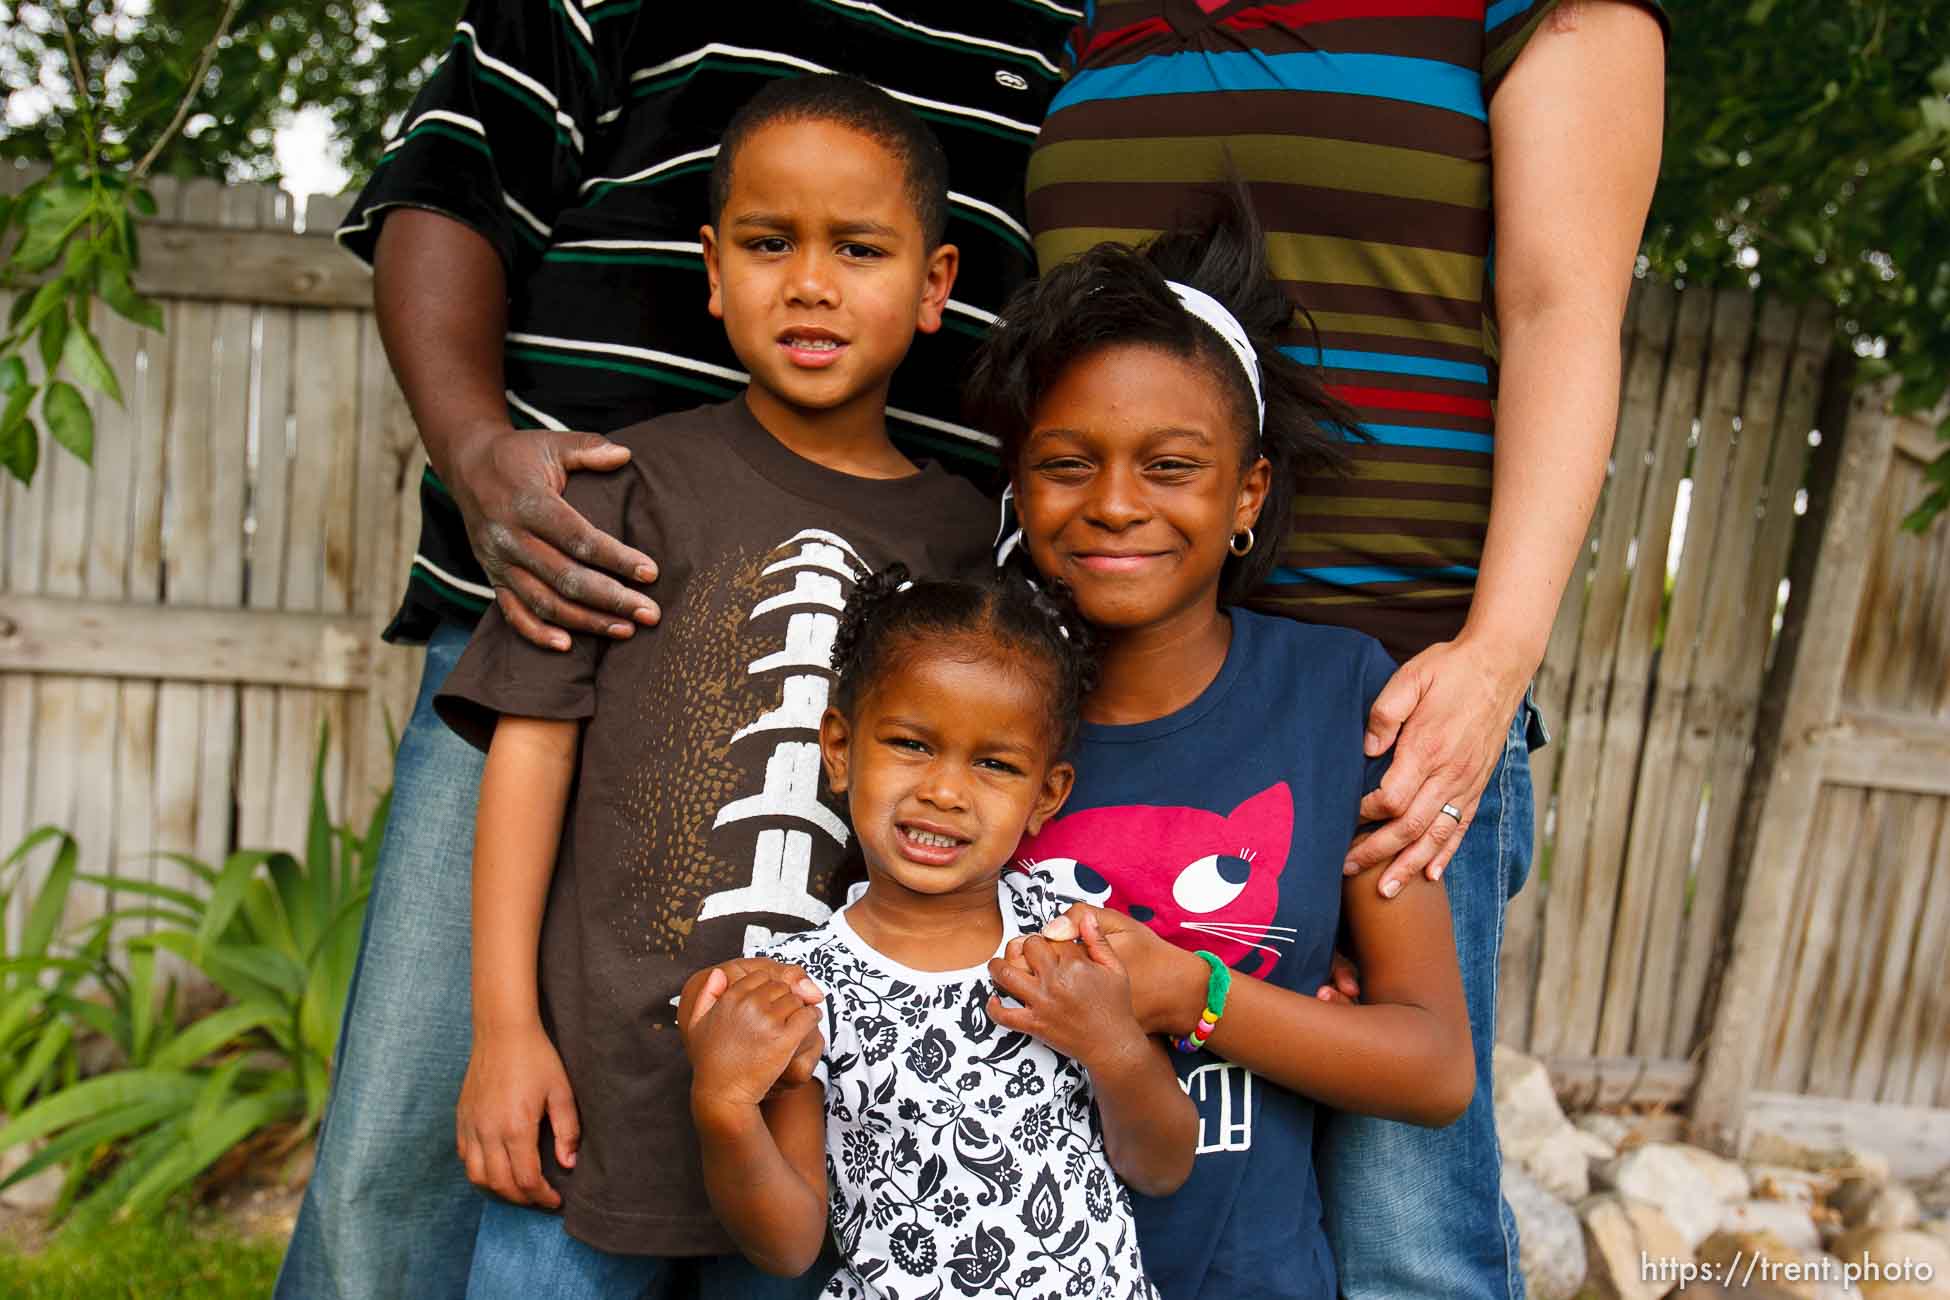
[(578, 137)]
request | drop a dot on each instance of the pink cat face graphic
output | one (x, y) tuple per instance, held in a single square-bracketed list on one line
[(1199, 879)]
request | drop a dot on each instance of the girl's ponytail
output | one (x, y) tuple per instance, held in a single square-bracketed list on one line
[(854, 642)]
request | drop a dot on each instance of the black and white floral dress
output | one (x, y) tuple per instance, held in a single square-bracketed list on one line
[(964, 1159)]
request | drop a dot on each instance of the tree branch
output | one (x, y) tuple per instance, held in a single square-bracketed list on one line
[(189, 93), (81, 91)]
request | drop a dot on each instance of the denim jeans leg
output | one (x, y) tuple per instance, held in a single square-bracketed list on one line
[(389, 1212), (524, 1254), (1417, 1213)]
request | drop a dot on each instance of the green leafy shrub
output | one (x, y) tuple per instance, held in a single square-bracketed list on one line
[(278, 935)]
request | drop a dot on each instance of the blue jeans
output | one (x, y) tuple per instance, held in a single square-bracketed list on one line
[(1417, 1213), (389, 1212), (524, 1254)]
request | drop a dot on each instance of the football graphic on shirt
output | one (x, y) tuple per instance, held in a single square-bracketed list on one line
[(1200, 879)]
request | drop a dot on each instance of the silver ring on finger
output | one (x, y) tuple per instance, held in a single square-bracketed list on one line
[(1450, 810)]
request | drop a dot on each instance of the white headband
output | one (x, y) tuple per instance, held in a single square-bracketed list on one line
[(1213, 312)]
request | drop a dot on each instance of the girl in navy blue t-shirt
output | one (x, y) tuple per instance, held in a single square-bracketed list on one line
[(1145, 415)]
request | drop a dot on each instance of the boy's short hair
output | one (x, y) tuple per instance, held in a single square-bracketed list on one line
[(858, 106)]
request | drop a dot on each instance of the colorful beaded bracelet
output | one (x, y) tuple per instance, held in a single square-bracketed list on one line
[(1217, 985)]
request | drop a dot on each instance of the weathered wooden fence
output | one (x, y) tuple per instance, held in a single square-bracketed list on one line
[(1661, 825), (176, 623), (1835, 983), (1653, 678)]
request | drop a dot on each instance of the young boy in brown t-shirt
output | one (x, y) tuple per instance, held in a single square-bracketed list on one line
[(650, 803)]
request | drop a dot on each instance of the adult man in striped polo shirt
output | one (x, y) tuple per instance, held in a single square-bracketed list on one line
[(533, 229), (1391, 146)]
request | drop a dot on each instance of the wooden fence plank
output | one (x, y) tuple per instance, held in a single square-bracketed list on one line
[(1585, 914), (1583, 620), (270, 502), (204, 263), (1646, 585), (1885, 586), (58, 637), (1865, 902), (1796, 1018), (1927, 1079), (1721, 699), (135, 761), (187, 547), (230, 420), (26, 534), (1818, 661), (325, 414), (340, 558), (1892, 947), (61, 736), (1620, 716), (1784, 1059), (99, 701), (1689, 947), (1885, 752), (386, 441)]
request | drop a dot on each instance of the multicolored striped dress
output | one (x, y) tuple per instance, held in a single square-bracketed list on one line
[(577, 136), (1362, 128)]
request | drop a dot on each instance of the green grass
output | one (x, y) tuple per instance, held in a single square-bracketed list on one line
[(173, 1257)]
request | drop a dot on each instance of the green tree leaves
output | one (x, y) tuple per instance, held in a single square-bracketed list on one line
[(77, 221), (68, 420), (1806, 153)]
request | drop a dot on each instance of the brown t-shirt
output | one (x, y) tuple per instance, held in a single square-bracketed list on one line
[(697, 822)]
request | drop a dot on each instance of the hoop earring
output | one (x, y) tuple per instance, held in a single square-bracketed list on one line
[(1234, 545)]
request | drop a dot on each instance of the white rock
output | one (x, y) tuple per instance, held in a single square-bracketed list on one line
[(1561, 1163), (1526, 1105), (1795, 1186), (1533, 1132), (1935, 1194), (1626, 1131), (1595, 1148), (1620, 1235), (37, 1194), (1890, 1205), (1550, 1237), (1615, 1131), (1693, 1187), (1791, 1224)]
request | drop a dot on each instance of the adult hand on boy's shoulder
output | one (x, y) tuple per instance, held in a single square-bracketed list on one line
[(551, 568), (704, 990)]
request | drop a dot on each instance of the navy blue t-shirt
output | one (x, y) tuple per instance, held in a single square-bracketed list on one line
[(1223, 826)]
